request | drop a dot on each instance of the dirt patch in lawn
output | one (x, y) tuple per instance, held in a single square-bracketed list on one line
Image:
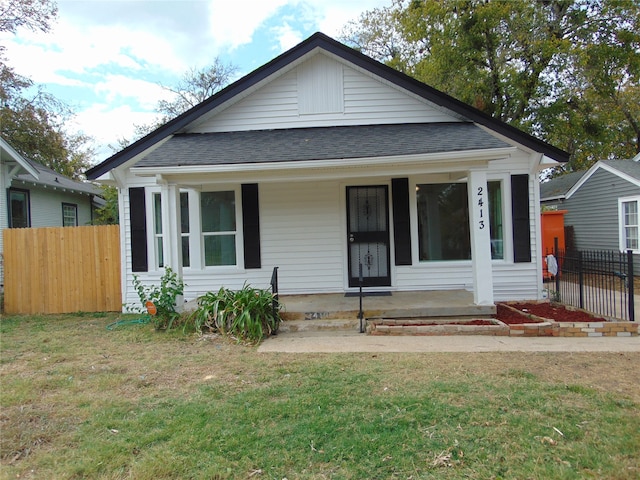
[(545, 310)]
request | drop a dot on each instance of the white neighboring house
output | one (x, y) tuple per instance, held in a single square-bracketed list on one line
[(322, 161), (35, 196)]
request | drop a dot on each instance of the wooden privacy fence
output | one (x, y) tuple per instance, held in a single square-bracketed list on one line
[(62, 269)]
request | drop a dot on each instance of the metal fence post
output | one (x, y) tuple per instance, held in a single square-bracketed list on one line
[(581, 280), (557, 255), (632, 308)]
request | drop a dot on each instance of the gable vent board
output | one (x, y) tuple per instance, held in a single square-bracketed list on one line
[(320, 86)]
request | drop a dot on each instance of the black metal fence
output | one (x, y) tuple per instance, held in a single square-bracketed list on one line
[(598, 281)]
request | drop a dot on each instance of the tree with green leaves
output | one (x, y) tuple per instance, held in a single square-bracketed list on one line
[(33, 121), (567, 71)]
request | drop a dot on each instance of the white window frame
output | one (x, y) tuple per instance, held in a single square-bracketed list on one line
[(74, 207), (442, 178), (507, 238), (157, 237), (622, 236)]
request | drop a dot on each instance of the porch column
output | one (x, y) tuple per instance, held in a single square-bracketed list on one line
[(480, 238), (172, 232)]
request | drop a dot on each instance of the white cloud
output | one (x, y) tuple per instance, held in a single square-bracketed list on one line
[(118, 88), (233, 23), (334, 15), (106, 125), (287, 36)]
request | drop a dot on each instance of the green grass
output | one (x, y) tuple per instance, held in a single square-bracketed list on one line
[(79, 401)]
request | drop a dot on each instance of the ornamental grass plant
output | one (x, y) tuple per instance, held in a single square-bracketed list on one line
[(248, 314)]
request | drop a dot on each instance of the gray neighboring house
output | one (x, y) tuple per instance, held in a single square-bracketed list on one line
[(36, 196), (602, 204)]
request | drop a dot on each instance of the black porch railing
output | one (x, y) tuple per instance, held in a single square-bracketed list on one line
[(601, 282), (274, 291)]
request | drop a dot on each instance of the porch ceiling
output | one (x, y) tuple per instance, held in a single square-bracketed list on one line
[(318, 144)]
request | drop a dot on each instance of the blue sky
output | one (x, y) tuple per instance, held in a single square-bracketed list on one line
[(106, 58)]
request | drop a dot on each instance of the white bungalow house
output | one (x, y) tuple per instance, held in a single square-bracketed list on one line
[(322, 161)]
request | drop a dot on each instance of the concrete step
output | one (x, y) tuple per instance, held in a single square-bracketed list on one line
[(466, 311), (322, 325), (380, 324)]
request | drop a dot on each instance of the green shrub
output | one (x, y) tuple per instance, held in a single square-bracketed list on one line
[(163, 297), (247, 314)]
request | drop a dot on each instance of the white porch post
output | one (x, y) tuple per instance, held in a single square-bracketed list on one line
[(172, 231), (480, 238)]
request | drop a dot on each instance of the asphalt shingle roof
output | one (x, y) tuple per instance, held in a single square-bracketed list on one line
[(301, 144), (630, 167), (559, 186), (50, 178)]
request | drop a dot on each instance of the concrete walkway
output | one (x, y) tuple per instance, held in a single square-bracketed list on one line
[(332, 342)]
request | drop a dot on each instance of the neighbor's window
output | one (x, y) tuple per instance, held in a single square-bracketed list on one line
[(184, 223), (495, 220), (443, 222), (157, 229), (19, 214), (629, 223), (69, 215), (218, 214)]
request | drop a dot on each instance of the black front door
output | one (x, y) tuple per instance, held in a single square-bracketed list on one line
[(368, 235)]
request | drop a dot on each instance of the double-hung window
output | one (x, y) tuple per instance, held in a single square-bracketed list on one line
[(218, 216), (629, 223), (157, 230), (184, 228), (69, 215), (19, 213), (496, 220)]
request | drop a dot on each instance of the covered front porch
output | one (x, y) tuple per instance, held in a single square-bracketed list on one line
[(339, 311)]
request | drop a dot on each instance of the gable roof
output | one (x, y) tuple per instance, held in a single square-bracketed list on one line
[(319, 40), (9, 156), (557, 188), (566, 185)]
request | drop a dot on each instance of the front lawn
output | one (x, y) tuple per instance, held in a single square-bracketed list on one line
[(80, 401)]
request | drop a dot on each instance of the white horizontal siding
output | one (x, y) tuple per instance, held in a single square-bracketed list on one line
[(302, 234), (517, 281), (435, 276), (367, 100)]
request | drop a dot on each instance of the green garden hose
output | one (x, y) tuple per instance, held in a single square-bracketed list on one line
[(136, 321)]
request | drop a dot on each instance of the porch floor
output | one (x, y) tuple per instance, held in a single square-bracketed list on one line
[(335, 311)]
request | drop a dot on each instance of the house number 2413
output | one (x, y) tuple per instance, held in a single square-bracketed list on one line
[(480, 195)]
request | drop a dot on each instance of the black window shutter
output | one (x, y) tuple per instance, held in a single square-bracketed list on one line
[(138, 225), (401, 220), (251, 225), (521, 220)]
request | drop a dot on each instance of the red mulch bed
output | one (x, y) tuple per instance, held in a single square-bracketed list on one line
[(544, 310)]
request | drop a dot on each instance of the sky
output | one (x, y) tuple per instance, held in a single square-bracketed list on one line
[(107, 59)]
